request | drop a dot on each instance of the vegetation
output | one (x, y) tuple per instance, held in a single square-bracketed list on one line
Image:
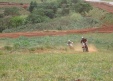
[(42, 12), (57, 15), (49, 58), (32, 6), (55, 42), (25, 1), (11, 11), (82, 8), (44, 67), (19, 64)]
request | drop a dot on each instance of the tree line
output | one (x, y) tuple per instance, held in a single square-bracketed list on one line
[(42, 12)]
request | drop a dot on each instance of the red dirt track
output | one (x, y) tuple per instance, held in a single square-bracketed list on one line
[(105, 6), (103, 29), (12, 4)]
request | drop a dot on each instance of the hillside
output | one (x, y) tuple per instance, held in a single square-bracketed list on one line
[(104, 29)]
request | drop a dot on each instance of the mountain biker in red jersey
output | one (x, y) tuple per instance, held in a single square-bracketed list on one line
[(84, 43)]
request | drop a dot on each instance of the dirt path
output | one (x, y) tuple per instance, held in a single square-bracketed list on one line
[(105, 6), (104, 29), (12, 4)]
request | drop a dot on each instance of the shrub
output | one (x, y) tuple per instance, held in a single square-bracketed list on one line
[(82, 7), (37, 16), (8, 48), (49, 13), (108, 18), (61, 2), (88, 22), (1, 15), (17, 21), (32, 6), (11, 11), (4, 23), (48, 7), (75, 1), (65, 11), (96, 13), (76, 17)]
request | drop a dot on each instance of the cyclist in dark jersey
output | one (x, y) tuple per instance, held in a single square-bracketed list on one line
[(84, 43)]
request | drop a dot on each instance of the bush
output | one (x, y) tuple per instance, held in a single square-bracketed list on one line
[(32, 6), (49, 13), (1, 15), (82, 7), (17, 21), (88, 22), (37, 16), (96, 13), (11, 11), (75, 1), (61, 2), (48, 7), (4, 23), (65, 11), (8, 48), (108, 18), (76, 17)]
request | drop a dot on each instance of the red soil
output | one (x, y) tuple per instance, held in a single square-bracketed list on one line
[(105, 6), (104, 29), (11, 4)]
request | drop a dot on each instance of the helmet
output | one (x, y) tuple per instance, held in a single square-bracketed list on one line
[(82, 37), (68, 40)]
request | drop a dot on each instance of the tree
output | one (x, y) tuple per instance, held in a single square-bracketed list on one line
[(61, 2), (4, 23), (37, 16), (32, 6), (75, 1), (83, 7), (49, 13), (43, 0)]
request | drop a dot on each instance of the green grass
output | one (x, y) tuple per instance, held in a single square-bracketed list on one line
[(57, 67), (43, 66), (54, 42)]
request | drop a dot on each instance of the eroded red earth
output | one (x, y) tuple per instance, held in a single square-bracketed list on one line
[(105, 6), (12, 4), (103, 29)]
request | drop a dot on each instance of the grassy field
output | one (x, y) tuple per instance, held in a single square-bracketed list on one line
[(57, 67), (17, 64), (54, 42)]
